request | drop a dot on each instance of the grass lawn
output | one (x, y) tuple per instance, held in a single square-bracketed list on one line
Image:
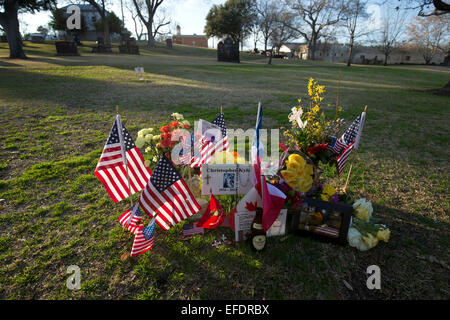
[(56, 116)]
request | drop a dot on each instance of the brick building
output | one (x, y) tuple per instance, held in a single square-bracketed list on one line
[(190, 40)]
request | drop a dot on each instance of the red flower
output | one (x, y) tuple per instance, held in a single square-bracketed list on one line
[(283, 146), (186, 126), (174, 124), (317, 148), (165, 129)]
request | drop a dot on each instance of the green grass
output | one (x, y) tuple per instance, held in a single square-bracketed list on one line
[(57, 113)]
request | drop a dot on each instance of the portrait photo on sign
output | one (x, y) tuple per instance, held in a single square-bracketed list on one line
[(228, 180)]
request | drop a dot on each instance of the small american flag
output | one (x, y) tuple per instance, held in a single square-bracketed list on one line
[(132, 219), (210, 147), (349, 141), (167, 196), (119, 153), (190, 229), (143, 239)]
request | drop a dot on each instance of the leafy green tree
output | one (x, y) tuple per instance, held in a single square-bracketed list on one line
[(115, 24), (10, 22), (234, 18)]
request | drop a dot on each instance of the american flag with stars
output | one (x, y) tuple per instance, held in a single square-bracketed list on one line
[(209, 148), (132, 219), (143, 239), (349, 141), (119, 155), (167, 197)]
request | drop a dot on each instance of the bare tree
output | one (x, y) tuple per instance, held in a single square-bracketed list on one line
[(355, 11), (147, 12), (313, 19), (266, 12), (282, 32), (138, 25), (429, 34), (392, 25), (427, 7)]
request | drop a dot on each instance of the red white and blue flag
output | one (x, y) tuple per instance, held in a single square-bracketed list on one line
[(121, 166), (143, 239), (208, 144), (167, 197), (132, 219), (349, 141)]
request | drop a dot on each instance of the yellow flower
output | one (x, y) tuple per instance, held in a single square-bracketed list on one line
[(325, 197), (370, 240), (156, 138), (384, 234), (148, 137), (305, 184), (329, 190), (362, 213), (298, 159)]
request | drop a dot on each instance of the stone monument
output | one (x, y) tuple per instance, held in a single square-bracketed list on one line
[(66, 48), (228, 51)]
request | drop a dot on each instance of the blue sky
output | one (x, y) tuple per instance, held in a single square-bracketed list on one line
[(189, 14)]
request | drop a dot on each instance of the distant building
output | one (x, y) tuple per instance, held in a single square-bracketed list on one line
[(90, 17), (336, 52), (190, 40)]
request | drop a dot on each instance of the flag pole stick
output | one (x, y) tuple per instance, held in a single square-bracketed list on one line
[(351, 166), (125, 159), (338, 93)]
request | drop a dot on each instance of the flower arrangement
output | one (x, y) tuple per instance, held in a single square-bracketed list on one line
[(162, 143), (366, 232)]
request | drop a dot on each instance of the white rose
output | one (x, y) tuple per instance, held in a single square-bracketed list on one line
[(366, 204), (355, 239)]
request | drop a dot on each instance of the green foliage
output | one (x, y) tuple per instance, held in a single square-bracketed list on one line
[(115, 24), (233, 18)]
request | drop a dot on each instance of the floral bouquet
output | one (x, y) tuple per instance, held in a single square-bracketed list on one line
[(162, 143), (366, 231)]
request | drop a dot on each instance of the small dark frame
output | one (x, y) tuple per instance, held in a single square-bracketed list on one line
[(343, 209)]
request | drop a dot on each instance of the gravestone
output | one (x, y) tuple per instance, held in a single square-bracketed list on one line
[(169, 43), (130, 47), (37, 39), (101, 47), (228, 51), (66, 48)]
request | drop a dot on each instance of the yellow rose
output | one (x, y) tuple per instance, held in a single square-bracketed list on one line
[(324, 197), (297, 158), (156, 138), (384, 234), (289, 175), (362, 213), (308, 170), (293, 166), (370, 240), (304, 185), (148, 137)]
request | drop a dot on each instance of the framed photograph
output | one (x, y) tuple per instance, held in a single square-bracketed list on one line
[(243, 224), (322, 220), (226, 178)]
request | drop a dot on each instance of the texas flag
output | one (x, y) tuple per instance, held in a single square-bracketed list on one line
[(273, 203), (213, 216)]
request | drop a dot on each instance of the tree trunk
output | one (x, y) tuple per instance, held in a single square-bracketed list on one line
[(446, 58), (106, 31), (151, 39), (350, 53), (270, 57), (10, 24), (386, 56)]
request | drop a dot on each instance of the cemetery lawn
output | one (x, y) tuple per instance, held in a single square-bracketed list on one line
[(56, 116)]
